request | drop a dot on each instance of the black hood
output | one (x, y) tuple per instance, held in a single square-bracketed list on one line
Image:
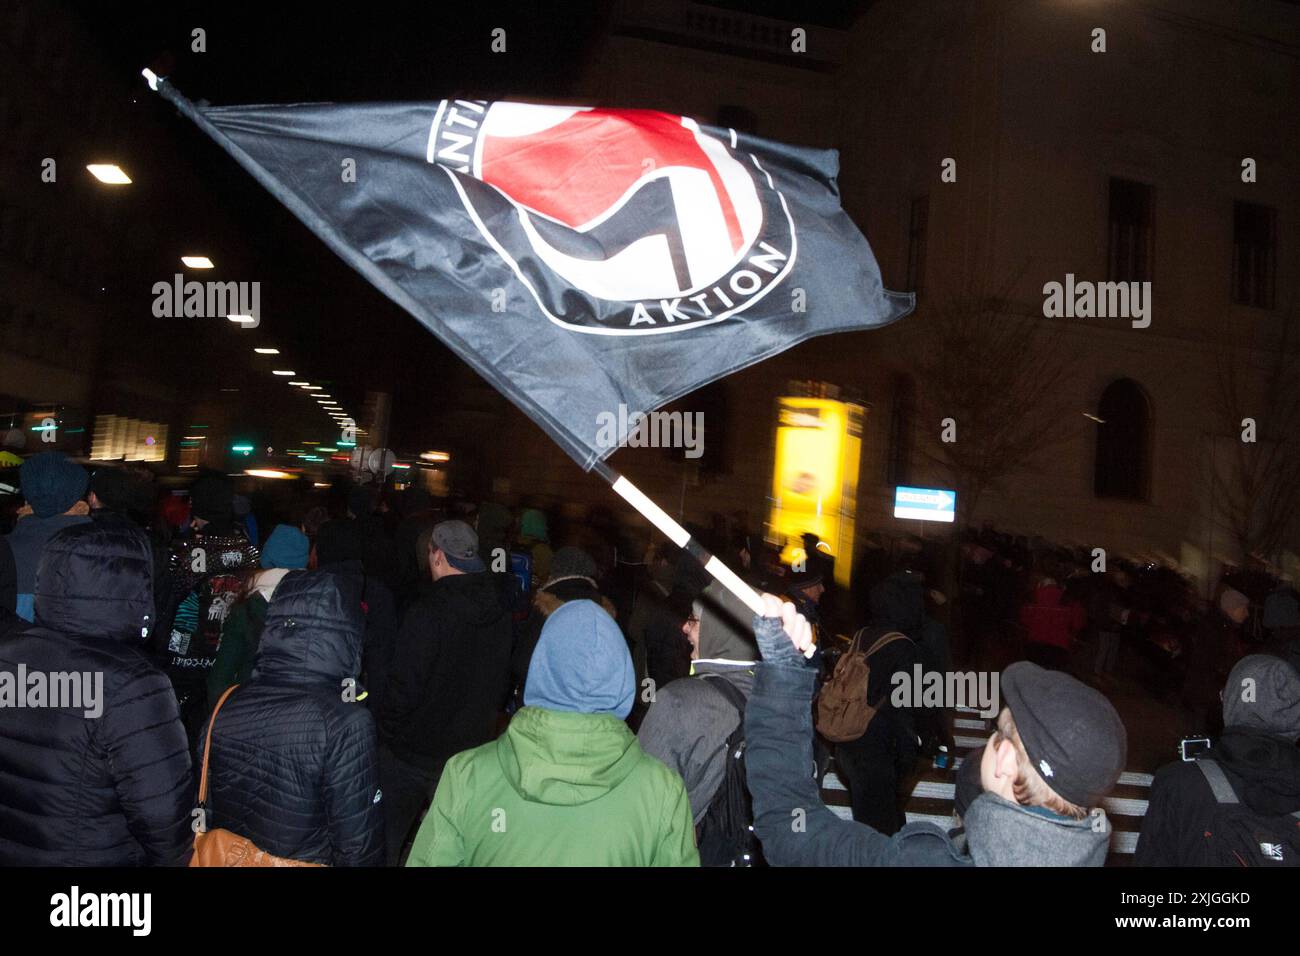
[(313, 632), (898, 604), (1269, 768), (476, 598), (96, 580)]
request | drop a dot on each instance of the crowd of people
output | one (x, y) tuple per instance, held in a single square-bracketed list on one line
[(363, 676)]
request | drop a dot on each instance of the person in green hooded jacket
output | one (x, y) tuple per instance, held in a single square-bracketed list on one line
[(567, 784)]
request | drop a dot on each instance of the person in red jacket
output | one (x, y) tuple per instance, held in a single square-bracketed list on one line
[(1051, 625)]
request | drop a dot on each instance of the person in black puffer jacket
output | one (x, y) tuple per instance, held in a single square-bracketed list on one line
[(80, 788), (294, 757)]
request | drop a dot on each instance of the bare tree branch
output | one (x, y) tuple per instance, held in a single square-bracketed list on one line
[(996, 373)]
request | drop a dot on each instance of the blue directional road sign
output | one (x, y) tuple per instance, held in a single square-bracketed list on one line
[(925, 504)]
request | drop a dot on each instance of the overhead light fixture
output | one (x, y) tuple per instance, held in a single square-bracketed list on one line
[(311, 388), (197, 262), (267, 351), (435, 456), (242, 319), (109, 173), (283, 371), (1099, 421), (267, 473)]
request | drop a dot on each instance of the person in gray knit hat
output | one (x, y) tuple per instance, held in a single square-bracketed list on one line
[(1059, 747), (1239, 803)]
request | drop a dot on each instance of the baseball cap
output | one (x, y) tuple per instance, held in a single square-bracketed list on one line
[(459, 543)]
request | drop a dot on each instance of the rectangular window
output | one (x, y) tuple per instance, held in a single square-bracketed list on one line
[(916, 240), (1254, 254), (898, 470), (1132, 220)]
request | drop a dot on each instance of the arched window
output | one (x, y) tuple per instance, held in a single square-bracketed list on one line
[(1123, 442)]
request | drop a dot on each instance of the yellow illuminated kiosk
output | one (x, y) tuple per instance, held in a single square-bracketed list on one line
[(815, 477)]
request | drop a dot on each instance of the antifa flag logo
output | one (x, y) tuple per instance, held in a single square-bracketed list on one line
[(656, 223)]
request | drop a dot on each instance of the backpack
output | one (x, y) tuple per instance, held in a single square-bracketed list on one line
[(1239, 837), (843, 713), (726, 832)]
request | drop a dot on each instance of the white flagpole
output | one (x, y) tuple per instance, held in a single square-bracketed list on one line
[(680, 536)]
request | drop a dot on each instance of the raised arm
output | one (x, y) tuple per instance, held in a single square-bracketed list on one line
[(794, 826)]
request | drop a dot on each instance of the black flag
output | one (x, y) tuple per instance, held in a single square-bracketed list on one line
[(579, 259)]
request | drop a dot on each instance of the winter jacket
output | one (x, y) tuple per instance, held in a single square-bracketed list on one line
[(380, 641), (102, 785), (688, 726), (161, 579), (9, 619), (1264, 772), (897, 605), (205, 574), (1048, 621), (892, 734), (778, 731), (26, 542), (558, 789), (240, 637), (294, 764), (451, 671), (690, 721)]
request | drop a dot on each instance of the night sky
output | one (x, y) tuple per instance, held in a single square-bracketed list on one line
[(330, 324)]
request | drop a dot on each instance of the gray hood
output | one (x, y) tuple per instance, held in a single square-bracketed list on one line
[(1000, 833), (1262, 695), (726, 626)]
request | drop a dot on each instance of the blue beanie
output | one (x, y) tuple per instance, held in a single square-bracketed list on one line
[(286, 548), (581, 664), (52, 484)]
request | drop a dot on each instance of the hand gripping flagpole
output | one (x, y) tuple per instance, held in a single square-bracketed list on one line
[(626, 489), (680, 537)]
